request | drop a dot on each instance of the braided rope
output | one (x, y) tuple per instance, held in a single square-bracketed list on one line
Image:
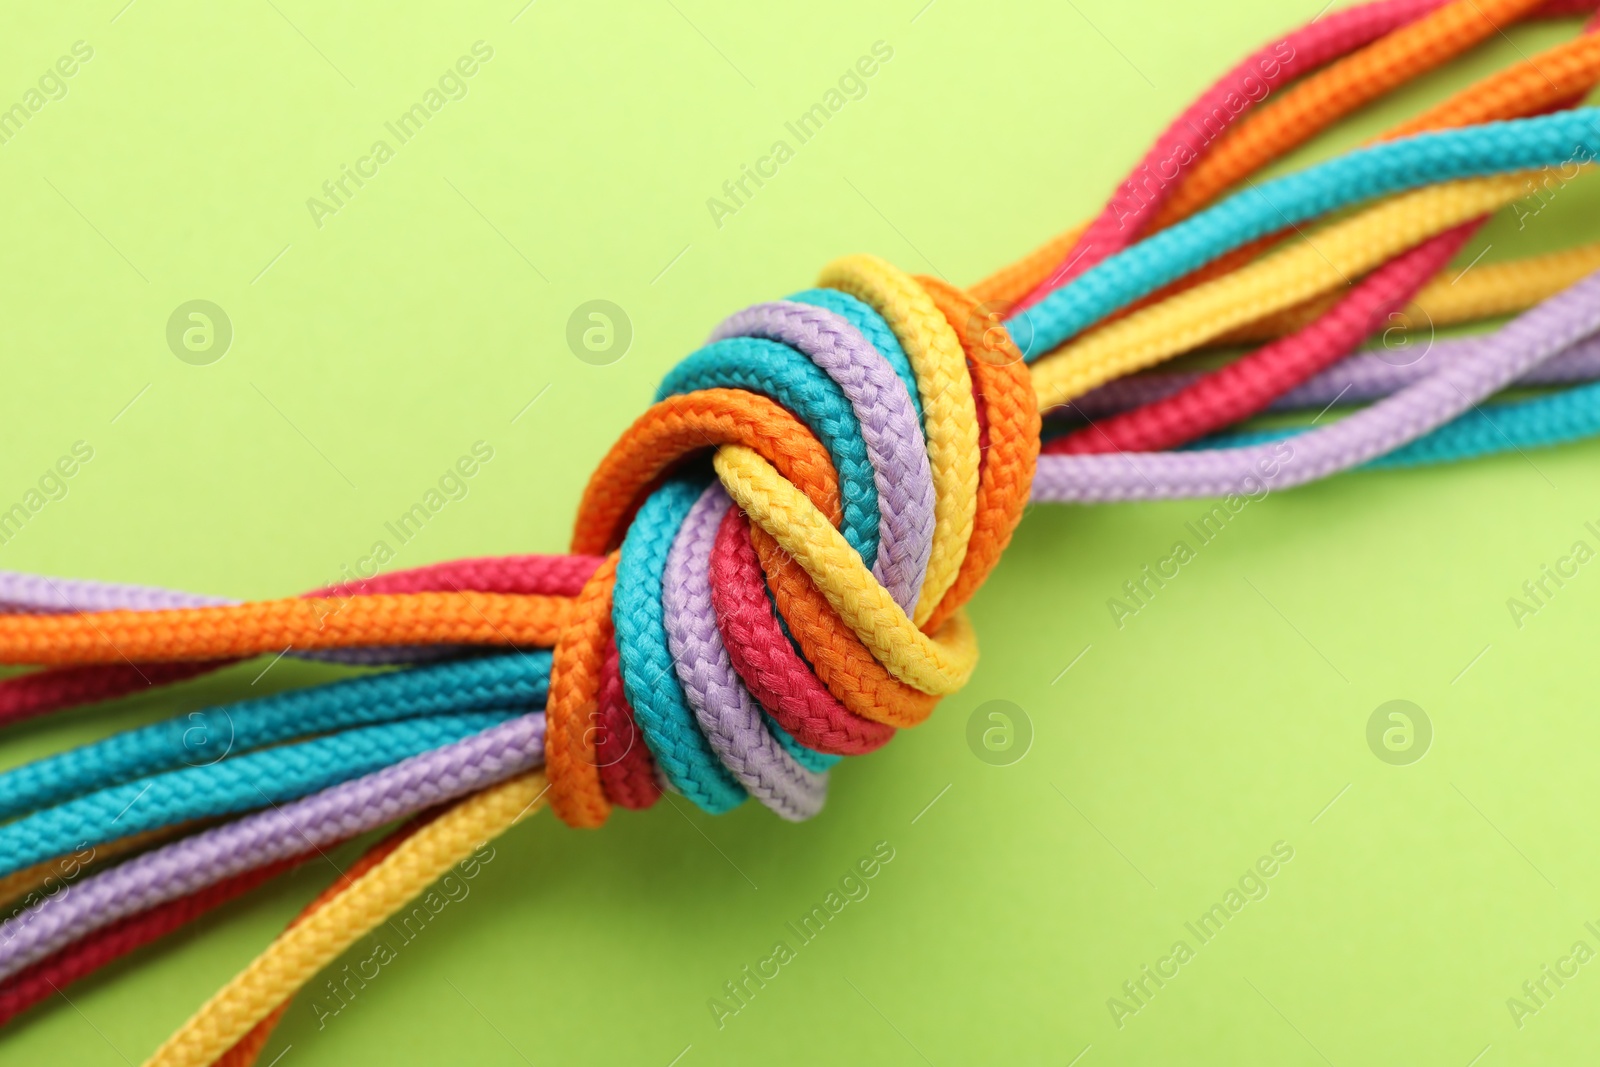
[(1355, 80), (1362, 377), (203, 739), (1454, 297), (948, 414), (1452, 388), (1248, 384), (319, 820), (1496, 148), (270, 625), (239, 784), (306, 947), (1245, 386), (1321, 263), (731, 628)]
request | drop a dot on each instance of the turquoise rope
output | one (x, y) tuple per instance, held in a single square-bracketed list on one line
[(808, 758), (775, 370), (871, 325), (1426, 159), (648, 676), (205, 737), (236, 784), (1562, 417), (1118, 282), (1569, 415)]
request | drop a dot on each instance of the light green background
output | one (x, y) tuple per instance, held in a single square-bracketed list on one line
[(431, 310)]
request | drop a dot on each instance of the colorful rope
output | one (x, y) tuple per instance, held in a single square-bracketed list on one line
[(770, 565)]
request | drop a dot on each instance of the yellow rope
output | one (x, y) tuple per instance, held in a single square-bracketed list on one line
[(1457, 295), (304, 949), (939, 665), (1329, 258), (950, 416)]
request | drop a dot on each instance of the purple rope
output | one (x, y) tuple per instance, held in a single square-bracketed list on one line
[(889, 428), (1365, 376), (1548, 345), (192, 863), (1362, 377), (1484, 367), (728, 715), (1371, 376), (41, 593)]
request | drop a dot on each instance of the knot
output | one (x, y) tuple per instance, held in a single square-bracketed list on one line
[(798, 598)]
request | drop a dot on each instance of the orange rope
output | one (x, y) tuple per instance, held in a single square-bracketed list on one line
[(572, 711), (275, 625), (1335, 92)]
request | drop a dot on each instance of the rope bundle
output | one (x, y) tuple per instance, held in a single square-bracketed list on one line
[(768, 569)]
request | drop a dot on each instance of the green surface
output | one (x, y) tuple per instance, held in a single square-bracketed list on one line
[(429, 311)]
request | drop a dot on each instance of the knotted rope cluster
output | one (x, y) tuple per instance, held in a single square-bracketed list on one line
[(768, 569), (870, 522)]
